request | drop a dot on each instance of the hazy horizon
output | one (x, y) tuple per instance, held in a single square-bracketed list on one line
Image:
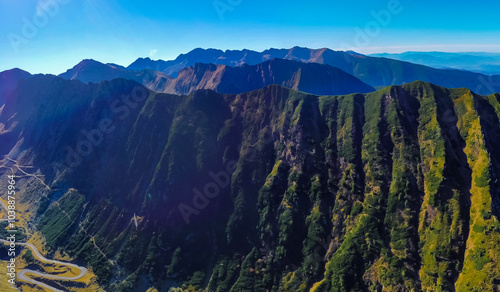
[(71, 65), (51, 36)]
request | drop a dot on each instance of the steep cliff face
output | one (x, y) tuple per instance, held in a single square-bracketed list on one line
[(275, 189)]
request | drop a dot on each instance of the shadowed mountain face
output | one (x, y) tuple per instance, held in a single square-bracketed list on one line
[(8, 81), (308, 77), (311, 78), (270, 190), (374, 71)]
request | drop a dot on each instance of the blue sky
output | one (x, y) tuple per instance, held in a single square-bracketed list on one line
[(121, 31)]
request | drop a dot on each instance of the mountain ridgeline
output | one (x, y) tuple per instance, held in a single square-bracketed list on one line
[(241, 71), (309, 77), (374, 71), (270, 190)]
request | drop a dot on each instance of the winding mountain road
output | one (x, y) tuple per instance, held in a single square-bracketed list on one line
[(22, 274)]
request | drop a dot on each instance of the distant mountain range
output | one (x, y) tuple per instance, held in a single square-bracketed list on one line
[(321, 71), (93, 71), (374, 71), (308, 77), (486, 63)]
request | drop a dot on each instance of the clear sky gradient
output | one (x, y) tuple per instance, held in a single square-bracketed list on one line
[(119, 32)]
